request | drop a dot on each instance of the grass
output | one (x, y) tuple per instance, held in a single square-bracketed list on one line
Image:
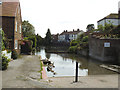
[(41, 69)]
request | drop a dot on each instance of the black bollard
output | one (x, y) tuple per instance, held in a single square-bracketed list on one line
[(76, 77)]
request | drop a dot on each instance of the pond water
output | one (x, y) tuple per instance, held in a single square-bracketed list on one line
[(65, 65)]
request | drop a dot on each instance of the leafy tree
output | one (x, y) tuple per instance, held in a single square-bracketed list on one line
[(116, 31), (80, 43), (27, 29), (48, 37), (106, 28), (90, 27), (39, 41), (34, 40)]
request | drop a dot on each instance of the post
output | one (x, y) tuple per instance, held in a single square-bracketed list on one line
[(76, 77)]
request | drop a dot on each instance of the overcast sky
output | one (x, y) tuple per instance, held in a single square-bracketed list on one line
[(59, 15)]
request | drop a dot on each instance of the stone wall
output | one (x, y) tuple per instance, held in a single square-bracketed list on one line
[(99, 52)]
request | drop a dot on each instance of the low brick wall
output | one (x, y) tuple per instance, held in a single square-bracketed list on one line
[(98, 51)]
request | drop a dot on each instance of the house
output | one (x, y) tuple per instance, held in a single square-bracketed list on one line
[(54, 37), (111, 18), (11, 23), (66, 36)]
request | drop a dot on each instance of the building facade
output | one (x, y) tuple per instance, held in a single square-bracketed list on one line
[(12, 23), (69, 36), (112, 18)]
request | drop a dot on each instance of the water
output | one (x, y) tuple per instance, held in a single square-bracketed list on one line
[(65, 65)]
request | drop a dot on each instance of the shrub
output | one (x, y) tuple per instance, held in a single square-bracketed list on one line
[(33, 51), (73, 49), (5, 62), (14, 54), (85, 39), (34, 40), (73, 43), (8, 51), (26, 48)]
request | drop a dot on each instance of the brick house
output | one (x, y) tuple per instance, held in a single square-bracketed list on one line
[(11, 23)]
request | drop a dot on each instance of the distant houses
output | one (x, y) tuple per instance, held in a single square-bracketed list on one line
[(111, 18), (55, 37), (10, 14), (67, 36)]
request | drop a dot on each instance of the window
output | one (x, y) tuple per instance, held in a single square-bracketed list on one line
[(16, 44), (19, 46), (16, 26), (20, 28)]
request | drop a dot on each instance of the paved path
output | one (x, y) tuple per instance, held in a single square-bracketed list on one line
[(92, 81), (23, 73)]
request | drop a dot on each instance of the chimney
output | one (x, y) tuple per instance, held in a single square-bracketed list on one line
[(78, 29)]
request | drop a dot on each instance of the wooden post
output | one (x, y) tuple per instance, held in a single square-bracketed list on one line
[(76, 77)]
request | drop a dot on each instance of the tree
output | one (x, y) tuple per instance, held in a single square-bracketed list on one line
[(48, 37), (39, 40), (27, 29), (116, 31), (90, 27), (106, 28), (34, 40)]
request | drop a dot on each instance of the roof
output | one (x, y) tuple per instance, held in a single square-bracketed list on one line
[(9, 7), (70, 32), (110, 16)]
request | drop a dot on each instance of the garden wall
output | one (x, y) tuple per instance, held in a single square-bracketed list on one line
[(104, 49)]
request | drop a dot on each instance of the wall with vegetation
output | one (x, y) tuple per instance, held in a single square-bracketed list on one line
[(99, 52)]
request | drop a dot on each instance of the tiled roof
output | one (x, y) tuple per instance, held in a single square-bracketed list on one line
[(110, 16), (70, 32), (113, 15), (9, 7)]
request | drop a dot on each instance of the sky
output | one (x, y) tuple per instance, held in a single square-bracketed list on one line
[(60, 15)]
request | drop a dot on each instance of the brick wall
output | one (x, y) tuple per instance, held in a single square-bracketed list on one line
[(18, 34), (8, 28)]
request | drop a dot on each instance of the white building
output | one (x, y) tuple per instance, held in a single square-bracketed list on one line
[(61, 38), (69, 36), (112, 18)]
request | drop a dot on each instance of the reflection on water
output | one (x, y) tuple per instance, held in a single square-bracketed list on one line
[(65, 65)]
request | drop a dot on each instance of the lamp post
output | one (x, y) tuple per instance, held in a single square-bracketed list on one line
[(76, 76)]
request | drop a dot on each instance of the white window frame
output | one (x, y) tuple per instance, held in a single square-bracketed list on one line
[(20, 28), (16, 44), (16, 26), (19, 46)]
